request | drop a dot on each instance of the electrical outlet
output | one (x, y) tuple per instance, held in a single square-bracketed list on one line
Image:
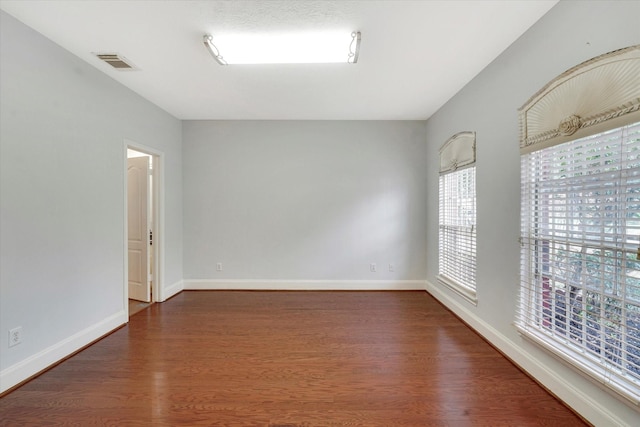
[(15, 336), (219, 266), (392, 268), (373, 268)]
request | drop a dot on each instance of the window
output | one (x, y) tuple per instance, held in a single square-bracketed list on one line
[(580, 219), (457, 220), (580, 268)]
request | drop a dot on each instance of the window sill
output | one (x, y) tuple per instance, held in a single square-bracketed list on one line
[(464, 291), (624, 391)]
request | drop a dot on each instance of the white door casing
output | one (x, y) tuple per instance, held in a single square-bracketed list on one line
[(138, 228)]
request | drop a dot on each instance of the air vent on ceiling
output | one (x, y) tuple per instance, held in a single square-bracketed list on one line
[(116, 61)]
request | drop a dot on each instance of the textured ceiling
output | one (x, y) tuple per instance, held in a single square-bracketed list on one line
[(414, 56)]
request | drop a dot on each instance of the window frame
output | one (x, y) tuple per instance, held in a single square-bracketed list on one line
[(457, 158), (596, 96), (459, 276), (566, 307)]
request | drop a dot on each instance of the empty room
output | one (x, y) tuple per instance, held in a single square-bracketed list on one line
[(320, 213)]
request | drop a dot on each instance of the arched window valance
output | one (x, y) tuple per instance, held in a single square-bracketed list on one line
[(597, 95), (458, 152)]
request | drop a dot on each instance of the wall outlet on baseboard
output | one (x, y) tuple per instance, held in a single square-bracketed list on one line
[(15, 336), (392, 268), (219, 266), (373, 268)]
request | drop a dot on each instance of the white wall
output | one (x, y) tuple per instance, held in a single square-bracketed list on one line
[(62, 130), (304, 200), (569, 34)]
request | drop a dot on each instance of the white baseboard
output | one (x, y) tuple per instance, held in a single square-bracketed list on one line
[(30, 366), (172, 290), (582, 403), (306, 285)]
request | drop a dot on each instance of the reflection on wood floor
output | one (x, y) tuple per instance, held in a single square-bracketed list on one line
[(137, 306), (217, 358)]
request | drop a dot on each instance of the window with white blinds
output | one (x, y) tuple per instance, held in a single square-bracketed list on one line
[(457, 240), (580, 270)]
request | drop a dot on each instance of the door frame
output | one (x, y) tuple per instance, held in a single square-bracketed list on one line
[(157, 199)]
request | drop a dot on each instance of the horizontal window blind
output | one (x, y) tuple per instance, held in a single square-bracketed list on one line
[(457, 240), (580, 236)]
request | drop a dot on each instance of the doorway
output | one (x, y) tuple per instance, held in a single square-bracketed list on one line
[(142, 230)]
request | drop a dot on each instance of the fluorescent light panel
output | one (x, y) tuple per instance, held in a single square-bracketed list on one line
[(300, 48)]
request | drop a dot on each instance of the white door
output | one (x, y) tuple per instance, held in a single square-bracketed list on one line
[(138, 228)]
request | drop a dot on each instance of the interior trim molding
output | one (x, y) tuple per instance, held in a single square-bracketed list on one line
[(158, 210), (597, 95), (584, 404), (305, 285), (465, 292), (171, 291), (35, 364)]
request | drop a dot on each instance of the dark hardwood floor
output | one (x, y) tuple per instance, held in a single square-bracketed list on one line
[(287, 359), (136, 307)]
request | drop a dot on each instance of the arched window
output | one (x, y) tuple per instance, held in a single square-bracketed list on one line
[(457, 215), (580, 219)]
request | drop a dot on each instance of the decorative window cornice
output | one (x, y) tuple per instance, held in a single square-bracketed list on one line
[(458, 152), (599, 94)]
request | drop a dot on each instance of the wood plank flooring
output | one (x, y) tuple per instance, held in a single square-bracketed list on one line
[(136, 307), (288, 359)]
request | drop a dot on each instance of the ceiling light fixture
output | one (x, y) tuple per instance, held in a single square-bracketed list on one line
[(304, 48)]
